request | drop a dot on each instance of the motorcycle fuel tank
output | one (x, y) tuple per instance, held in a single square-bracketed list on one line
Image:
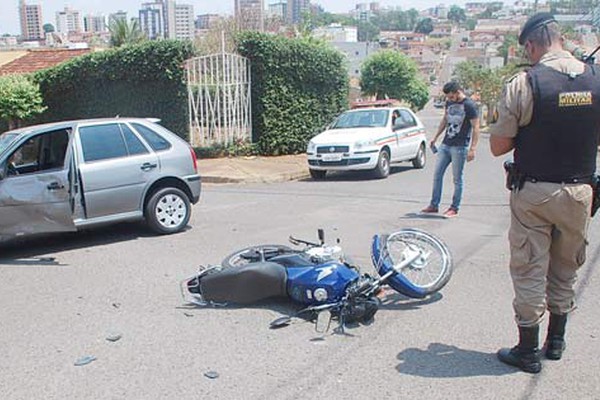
[(319, 284)]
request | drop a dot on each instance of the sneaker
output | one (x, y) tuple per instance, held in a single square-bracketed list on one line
[(429, 210), (450, 213)]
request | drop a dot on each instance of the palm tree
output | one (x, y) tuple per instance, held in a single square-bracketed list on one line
[(123, 32)]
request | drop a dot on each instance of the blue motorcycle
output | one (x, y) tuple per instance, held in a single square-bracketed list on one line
[(319, 277)]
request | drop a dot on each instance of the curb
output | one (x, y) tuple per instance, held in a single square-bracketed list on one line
[(291, 176)]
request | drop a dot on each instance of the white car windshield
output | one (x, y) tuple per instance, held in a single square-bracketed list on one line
[(371, 118)]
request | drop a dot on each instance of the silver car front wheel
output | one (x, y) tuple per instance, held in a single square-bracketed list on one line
[(168, 211)]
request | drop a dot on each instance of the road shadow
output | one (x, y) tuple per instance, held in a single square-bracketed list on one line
[(447, 361), (351, 176), (419, 215), (396, 301), (30, 250), (282, 306)]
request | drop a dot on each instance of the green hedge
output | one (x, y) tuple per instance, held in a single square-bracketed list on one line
[(145, 80), (298, 86)]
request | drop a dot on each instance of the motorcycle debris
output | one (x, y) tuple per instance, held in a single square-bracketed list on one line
[(280, 322), (84, 360), (211, 374), (114, 337)]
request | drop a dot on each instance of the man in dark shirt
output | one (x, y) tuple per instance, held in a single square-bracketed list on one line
[(461, 126)]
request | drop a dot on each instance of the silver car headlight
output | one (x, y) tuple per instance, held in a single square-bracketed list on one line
[(311, 147), (364, 143)]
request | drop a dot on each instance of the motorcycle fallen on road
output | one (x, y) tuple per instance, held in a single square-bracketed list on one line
[(318, 276)]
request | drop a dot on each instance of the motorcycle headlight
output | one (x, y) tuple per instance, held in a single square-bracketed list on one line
[(320, 294), (364, 143), (311, 147)]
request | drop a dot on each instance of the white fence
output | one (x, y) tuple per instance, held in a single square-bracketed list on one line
[(219, 99)]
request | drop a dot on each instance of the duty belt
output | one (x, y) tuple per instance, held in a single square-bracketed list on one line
[(585, 180)]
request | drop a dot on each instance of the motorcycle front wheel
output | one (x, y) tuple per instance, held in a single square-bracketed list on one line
[(262, 252), (432, 270)]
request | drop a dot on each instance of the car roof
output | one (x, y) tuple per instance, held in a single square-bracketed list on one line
[(377, 108), (70, 123)]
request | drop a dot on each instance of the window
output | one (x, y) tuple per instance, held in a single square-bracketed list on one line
[(369, 118), (155, 141), (101, 142), (407, 118), (40, 153), (134, 145)]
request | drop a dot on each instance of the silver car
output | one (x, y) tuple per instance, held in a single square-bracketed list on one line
[(64, 176)]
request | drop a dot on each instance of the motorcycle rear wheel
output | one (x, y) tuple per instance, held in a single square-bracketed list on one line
[(253, 254), (430, 272)]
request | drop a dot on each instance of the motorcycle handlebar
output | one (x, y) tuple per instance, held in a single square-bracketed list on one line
[(296, 242)]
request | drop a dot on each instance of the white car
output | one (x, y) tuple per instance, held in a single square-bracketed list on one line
[(368, 139)]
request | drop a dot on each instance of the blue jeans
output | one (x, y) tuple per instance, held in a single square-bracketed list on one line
[(457, 155)]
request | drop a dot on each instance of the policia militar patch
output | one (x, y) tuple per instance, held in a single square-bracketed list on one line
[(575, 99)]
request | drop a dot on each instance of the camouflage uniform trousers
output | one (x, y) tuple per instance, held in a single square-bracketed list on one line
[(548, 239)]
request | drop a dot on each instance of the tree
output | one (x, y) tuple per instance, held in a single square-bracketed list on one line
[(367, 32), (510, 41), (48, 28), (457, 14), (392, 74), (424, 26), (485, 82), (123, 32), (471, 23), (20, 99)]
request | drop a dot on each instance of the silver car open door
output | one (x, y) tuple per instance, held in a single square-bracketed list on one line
[(35, 187)]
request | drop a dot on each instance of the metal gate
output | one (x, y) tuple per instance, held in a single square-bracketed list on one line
[(219, 99)]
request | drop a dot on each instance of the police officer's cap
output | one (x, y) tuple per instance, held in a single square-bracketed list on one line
[(534, 22)]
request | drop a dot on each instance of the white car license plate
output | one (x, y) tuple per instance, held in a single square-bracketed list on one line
[(332, 157)]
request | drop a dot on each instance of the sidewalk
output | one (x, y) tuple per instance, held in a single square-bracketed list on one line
[(253, 169)]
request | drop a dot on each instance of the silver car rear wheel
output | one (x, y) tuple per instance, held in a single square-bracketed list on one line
[(168, 211)]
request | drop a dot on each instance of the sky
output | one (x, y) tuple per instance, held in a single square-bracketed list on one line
[(9, 9)]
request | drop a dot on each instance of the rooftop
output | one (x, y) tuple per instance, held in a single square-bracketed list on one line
[(37, 59)]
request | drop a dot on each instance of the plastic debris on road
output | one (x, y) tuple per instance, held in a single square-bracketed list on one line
[(84, 361), (211, 374)]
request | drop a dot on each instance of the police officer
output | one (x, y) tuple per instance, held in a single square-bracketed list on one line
[(550, 116)]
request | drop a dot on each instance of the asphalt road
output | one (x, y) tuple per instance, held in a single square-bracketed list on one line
[(63, 295)]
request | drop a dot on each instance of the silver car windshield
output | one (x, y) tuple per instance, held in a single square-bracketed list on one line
[(6, 139), (371, 118)]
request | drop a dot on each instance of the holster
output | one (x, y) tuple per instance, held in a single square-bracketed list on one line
[(595, 193), (514, 179)]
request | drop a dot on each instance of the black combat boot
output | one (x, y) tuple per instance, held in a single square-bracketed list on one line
[(525, 355), (555, 341)]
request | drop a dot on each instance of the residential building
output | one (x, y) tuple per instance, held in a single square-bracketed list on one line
[(337, 33), (249, 14), (356, 53), (94, 23), (500, 25), (8, 41), (207, 21), (169, 16), (68, 21), (296, 9), (151, 20), (31, 21), (118, 16), (278, 10), (400, 39), (184, 21), (364, 11)]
